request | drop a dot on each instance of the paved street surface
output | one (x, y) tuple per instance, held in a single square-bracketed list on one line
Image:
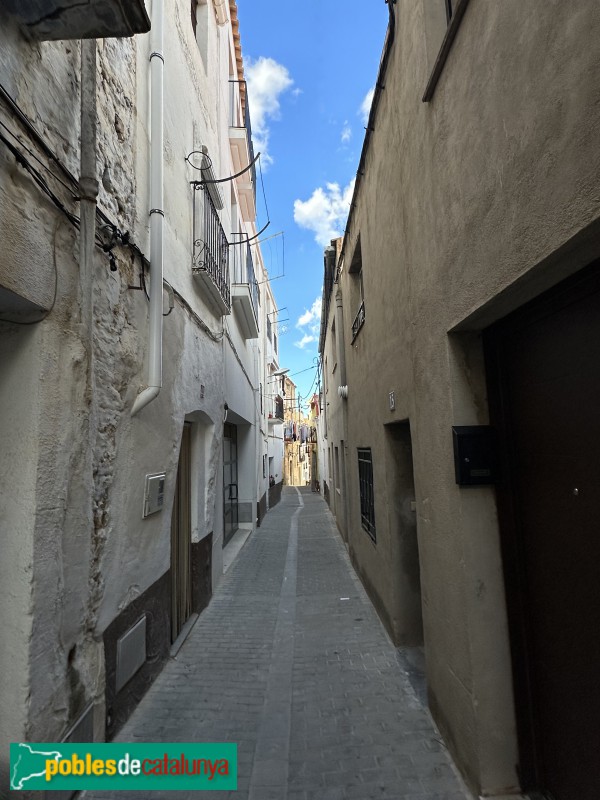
[(291, 662)]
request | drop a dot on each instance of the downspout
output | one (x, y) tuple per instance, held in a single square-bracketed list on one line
[(379, 86), (154, 384), (339, 326)]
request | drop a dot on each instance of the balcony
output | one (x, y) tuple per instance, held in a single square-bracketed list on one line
[(272, 357), (277, 416), (68, 19), (210, 260), (245, 292), (242, 150), (359, 321)]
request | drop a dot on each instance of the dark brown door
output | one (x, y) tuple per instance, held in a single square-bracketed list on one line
[(181, 539), (545, 382), (230, 482)]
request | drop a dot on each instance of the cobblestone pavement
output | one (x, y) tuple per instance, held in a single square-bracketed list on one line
[(291, 662)]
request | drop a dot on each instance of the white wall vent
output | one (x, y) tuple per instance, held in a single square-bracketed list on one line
[(154, 493), (131, 653)]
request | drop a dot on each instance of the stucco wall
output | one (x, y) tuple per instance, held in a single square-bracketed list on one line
[(463, 202)]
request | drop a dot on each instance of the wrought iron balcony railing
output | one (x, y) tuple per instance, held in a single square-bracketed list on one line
[(359, 321), (211, 248)]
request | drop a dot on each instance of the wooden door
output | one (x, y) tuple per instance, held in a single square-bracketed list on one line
[(545, 397), (230, 482), (181, 539)]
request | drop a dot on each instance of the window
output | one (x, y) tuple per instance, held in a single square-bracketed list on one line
[(194, 4), (199, 14), (331, 472), (333, 347), (367, 496), (357, 297), (337, 469), (442, 20), (359, 319)]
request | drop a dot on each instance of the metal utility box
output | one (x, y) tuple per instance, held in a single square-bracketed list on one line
[(154, 493), (475, 462)]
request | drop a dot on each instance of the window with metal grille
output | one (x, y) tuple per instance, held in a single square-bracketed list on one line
[(367, 496)]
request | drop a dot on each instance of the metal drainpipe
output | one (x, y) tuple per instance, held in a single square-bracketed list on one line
[(154, 385), (339, 326)]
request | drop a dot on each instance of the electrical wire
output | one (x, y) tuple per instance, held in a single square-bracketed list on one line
[(53, 303), (41, 182), (39, 160), (118, 238)]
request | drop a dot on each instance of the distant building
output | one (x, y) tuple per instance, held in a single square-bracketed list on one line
[(466, 295), (300, 439)]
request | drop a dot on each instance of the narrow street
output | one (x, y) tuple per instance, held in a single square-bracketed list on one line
[(291, 662)]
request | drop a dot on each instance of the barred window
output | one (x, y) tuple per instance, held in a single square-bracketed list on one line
[(367, 497)]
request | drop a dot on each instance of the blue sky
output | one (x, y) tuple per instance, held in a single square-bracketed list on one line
[(310, 66)]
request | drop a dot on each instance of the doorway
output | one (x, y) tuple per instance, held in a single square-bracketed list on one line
[(408, 616), (544, 380), (230, 482), (181, 538)]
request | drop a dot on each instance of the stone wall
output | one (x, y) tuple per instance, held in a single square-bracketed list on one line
[(78, 553)]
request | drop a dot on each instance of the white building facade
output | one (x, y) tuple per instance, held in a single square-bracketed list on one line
[(133, 350)]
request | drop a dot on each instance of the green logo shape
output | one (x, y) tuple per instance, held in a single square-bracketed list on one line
[(153, 766)]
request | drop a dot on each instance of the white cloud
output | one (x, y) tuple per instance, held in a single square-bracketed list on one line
[(365, 106), (267, 81), (325, 212), (311, 319), (311, 314), (305, 340), (346, 133)]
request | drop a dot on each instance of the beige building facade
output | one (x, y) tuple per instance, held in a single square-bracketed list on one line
[(460, 349)]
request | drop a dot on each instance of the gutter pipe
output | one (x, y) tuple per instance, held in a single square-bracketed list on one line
[(154, 384), (379, 86)]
